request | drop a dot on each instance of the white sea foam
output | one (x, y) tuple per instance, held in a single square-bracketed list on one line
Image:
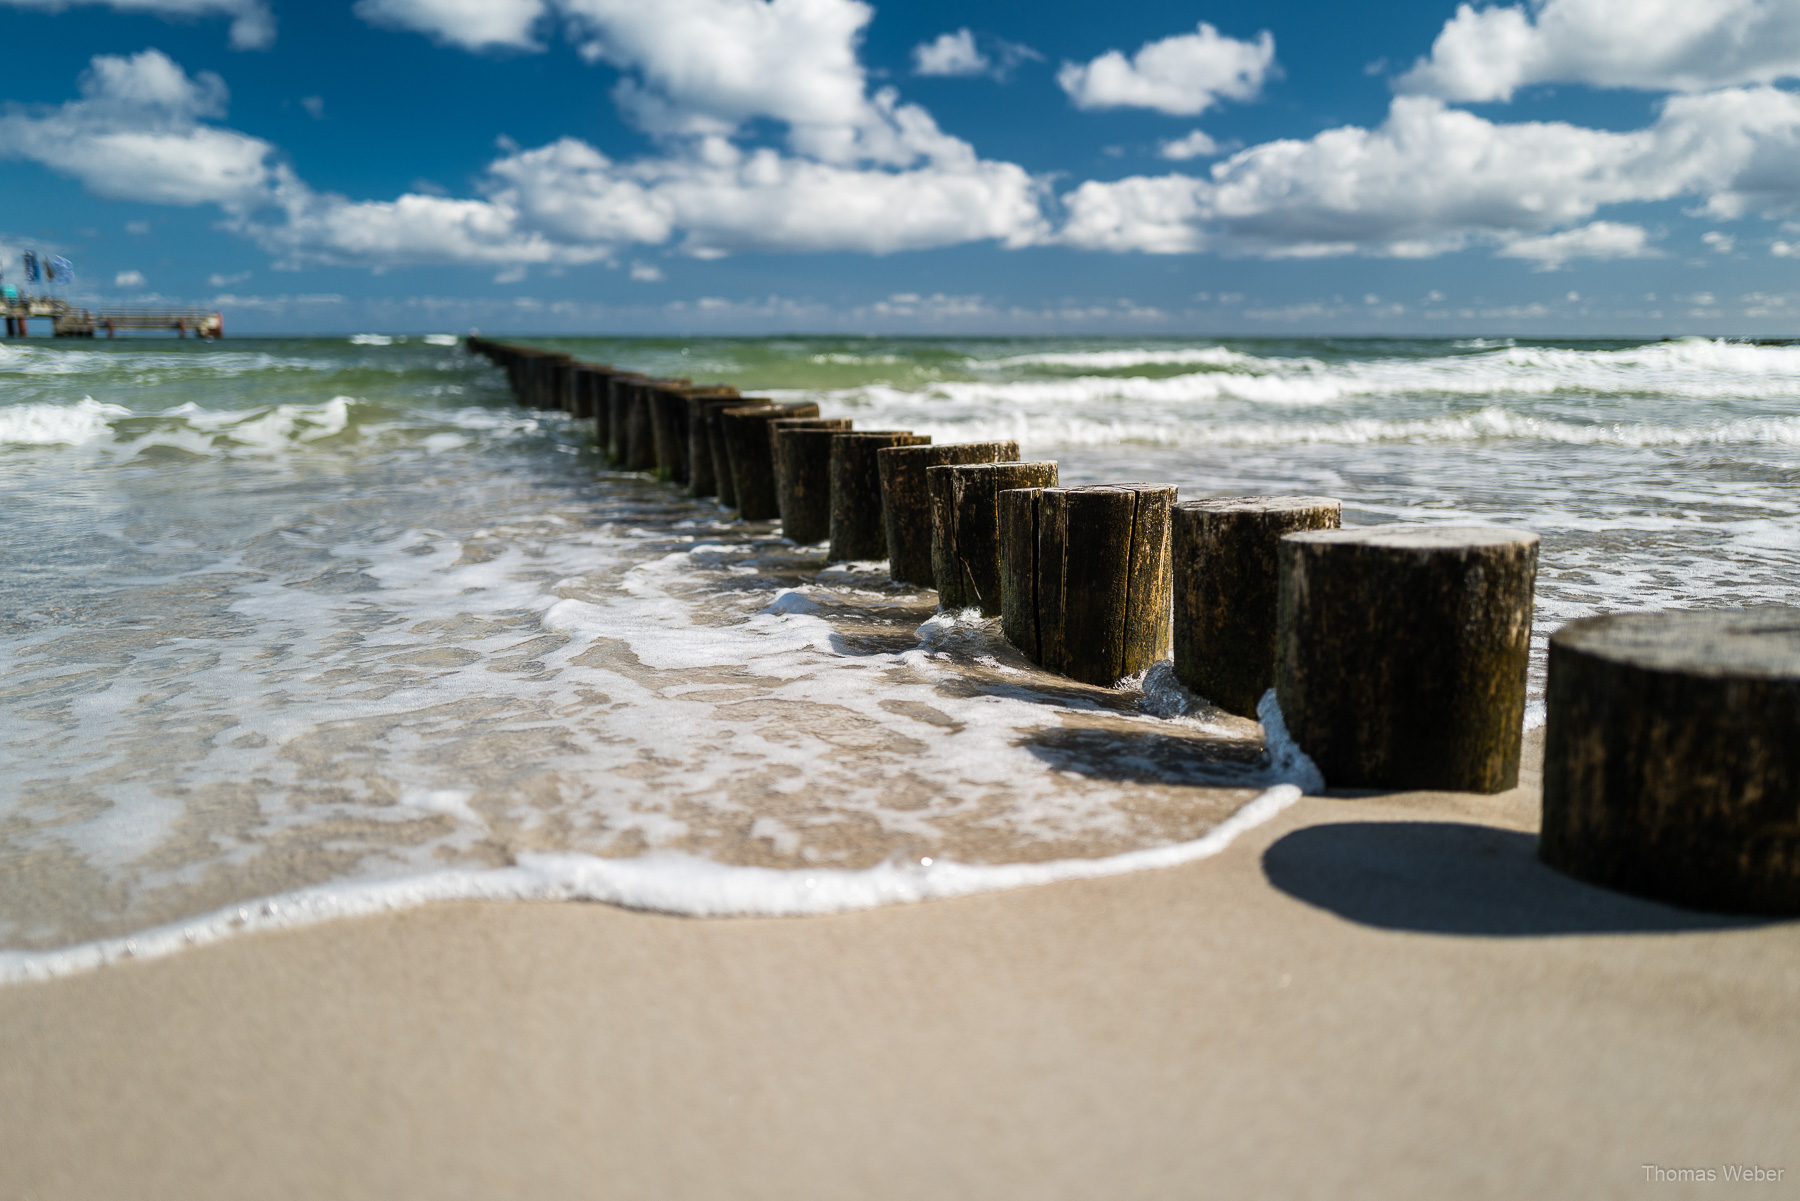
[(675, 884), (1118, 360), (58, 424), (370, 340), (442, 340)]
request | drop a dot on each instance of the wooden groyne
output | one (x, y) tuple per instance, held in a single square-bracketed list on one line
[(1394, 655)]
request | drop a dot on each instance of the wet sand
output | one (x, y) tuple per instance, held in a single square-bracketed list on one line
[(1367, 997)]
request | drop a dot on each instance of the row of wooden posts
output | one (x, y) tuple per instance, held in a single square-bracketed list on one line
[(1398, 653)]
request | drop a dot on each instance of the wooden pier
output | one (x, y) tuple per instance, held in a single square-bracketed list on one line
[(70, 321)]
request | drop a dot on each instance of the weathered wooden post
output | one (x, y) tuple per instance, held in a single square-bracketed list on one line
[(708, 469), (1089, 598), (857, 532), (1672, 756), (965, 527), (1020, 511), (669, 426), (1401, 653), (1225, 585), (618, 420), (746, 436), (906, 504), (802, 450)]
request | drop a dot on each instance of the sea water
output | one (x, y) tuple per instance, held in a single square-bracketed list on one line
[(294, 628)]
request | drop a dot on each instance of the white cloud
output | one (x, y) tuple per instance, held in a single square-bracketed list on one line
[(1596, 240), (128, 279), (314, 106), (1195, 145), (1721, 243), (1430, 179), (136, 134), (252, 24), (648, 273), (1181, 75), (950, 54), (471, 24), (225, 281), (1657, 45), (567, 202)]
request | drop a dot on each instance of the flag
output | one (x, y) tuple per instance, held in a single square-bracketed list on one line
[(61, 268), (31, 268)]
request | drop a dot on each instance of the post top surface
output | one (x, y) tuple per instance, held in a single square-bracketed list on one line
[(938, 446), (875, 433), (978, 468), (1762, 642), (1260, 504), (1418, 537)]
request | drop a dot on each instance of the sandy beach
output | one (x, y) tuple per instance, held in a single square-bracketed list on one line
[(1370, 996)]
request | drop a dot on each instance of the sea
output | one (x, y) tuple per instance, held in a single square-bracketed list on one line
[(297, 628)]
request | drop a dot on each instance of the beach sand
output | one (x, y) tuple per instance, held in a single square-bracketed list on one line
[(1366, 997)]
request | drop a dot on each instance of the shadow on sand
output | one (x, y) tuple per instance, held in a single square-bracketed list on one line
[(1458, 878)]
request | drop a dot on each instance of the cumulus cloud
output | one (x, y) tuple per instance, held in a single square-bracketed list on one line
[(252, 23), (137, 133), (950, 54), (1198, 144), (471, 24), (1596, 240), (569, 203), (128, 279), (1656, 45), (1430, 179), (1181, 75)]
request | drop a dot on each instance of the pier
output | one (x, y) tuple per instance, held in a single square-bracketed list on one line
[(72, 321)]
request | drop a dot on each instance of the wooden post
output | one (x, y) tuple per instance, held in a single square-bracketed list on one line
[(1019, 512), (1672, 757), (709, 470), (669, 413), (640, 433), (746, 436), (965, 527), (1401, 653), (1225, 585), (802, 450), (1098, 582), (906, 505), (857, 532)]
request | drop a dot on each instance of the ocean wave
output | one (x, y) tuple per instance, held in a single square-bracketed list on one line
[(58, 424), (679, 884), (257, 431), (1118, 360), (1482, 425)]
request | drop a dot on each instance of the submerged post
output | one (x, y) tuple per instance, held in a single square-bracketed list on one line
[(1401, 653), (802, 450), (1088, 597), (1672, 756), (1225, 584), (906, 503), (965, 527)]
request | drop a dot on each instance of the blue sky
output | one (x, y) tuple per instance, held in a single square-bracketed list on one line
[(1561, 166)]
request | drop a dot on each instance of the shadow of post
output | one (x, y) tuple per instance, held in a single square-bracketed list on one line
[(1460, 878)]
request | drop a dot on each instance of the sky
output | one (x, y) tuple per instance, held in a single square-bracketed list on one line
[(1557, 167)]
